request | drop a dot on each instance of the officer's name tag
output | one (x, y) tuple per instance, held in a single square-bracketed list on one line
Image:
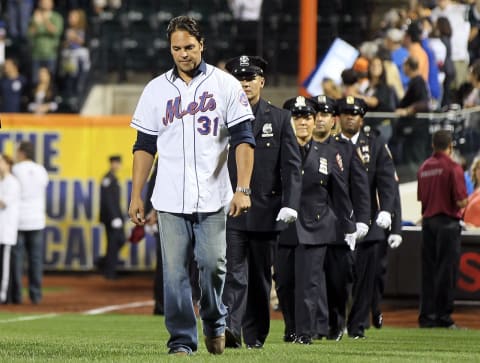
[(323, 166)]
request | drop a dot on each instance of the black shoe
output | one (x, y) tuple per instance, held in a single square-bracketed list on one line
[(318, 336), (257, 345), (377, 321), (303, 339), (231, 340), (335, 335), (289, 337)]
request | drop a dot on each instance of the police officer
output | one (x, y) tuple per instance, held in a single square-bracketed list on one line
[(339, 258), (302, 246), (112, 218), (381, 177), (275, 196)]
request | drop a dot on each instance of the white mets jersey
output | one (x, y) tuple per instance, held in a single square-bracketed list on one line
[(190, 122)]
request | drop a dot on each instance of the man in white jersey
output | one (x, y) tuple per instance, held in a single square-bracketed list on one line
[(189, 115), (33, 180)]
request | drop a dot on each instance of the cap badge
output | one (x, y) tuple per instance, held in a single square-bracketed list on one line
[(244, 61), (350, 100), (300, 102), (322, 99)]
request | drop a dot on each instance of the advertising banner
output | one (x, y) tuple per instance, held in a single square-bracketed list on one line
[(75, 151)]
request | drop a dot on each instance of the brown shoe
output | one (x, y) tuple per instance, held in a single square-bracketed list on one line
[(215, 345)]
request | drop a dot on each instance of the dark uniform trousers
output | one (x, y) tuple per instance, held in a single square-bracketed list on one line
[(250, 257), (298, 293), (251, 237), (362, 291), (381, 261), (339, 260), (115, 241), (383, 186), (339, 264), (440, 259)]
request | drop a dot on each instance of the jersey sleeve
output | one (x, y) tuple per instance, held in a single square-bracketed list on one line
[(238, 107), (144, 116)]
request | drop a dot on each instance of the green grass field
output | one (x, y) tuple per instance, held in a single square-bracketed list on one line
[(141, 338)]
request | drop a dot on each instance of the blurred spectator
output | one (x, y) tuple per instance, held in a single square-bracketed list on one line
[(379, 96), (416, 97), (331, 89), (45, 31), (412, 41), (411, 134), (474, 38), (392, 75), (349, 82), (33, 180), (100, 6), (3, 36), (12, 87), (43, 98), (444, 32), (433, 80), (393, 43), (75, 57), (18, 17), (472, 98), (457, 16), (247, 15), (471, 214), (9, 217), (361, 69)]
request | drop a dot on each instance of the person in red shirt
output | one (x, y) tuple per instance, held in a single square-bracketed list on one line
[(443, 194)]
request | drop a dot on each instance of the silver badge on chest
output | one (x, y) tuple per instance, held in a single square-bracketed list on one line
[(323, 166), (267, 130)]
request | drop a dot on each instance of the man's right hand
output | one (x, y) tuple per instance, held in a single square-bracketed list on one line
[(136, 211)]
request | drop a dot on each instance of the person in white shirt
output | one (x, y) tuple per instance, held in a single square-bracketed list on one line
[(33, 180), (457, 15), (187, 115), (9, 215)]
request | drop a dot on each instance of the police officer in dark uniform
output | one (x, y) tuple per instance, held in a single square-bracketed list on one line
[(382, 184), (339, 258), (275, 195), (302, 246), (112, 218)]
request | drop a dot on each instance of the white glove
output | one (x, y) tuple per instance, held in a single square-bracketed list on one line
[(116, 223), (351, 239), (287, 215), (384, 219), (394, 240), (362, 230)]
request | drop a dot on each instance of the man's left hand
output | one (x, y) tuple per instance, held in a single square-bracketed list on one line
[(240, 204)]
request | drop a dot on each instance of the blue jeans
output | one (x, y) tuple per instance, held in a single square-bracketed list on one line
[(205, 234), (32, 243)]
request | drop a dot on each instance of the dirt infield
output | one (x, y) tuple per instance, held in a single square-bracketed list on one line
[(78, 293)]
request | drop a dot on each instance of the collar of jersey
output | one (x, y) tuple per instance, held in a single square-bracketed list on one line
[(202, 68)]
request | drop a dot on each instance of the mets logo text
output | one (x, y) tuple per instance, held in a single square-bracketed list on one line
[(206, 103)]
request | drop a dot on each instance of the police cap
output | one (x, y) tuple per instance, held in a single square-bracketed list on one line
[(246, 65), (301, 106), (326, 104), (352, 105)]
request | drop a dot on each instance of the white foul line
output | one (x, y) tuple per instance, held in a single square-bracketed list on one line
[(108, 308), (96, 311), (28, 318)]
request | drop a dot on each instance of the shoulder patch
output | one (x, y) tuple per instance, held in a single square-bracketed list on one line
[(339, 161)]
